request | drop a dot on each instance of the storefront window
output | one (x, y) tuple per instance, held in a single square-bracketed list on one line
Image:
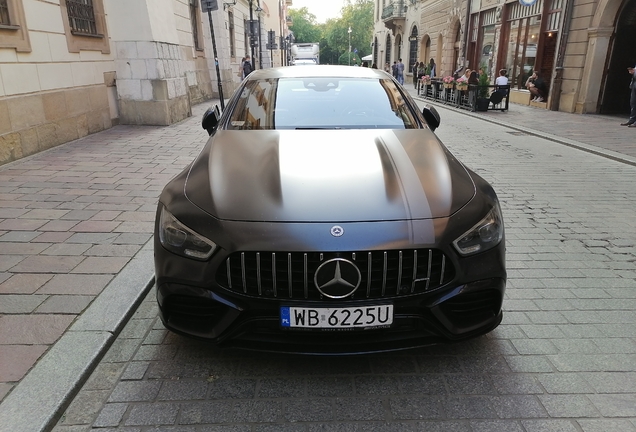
[(522, 39), (521, 50), (487, 48)]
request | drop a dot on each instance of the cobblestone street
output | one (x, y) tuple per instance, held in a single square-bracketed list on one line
[(564, 358)]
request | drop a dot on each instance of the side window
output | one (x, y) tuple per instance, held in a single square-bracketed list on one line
[(13, 26), (254, 105), (85, 25)]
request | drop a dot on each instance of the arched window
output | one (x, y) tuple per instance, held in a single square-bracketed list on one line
[(413, 47), (376, 60), (388, 49)]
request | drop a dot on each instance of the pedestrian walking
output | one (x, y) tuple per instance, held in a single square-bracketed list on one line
[(432, 68), (414, 70), (400, 71), (247, 66), (240, 72), (632, 100)]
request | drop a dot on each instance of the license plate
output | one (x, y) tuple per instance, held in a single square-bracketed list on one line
[(337, 318)]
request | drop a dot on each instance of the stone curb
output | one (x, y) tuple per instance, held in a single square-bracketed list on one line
[(36, 403)]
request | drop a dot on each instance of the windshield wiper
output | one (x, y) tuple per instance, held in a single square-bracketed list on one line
[(318, 128)]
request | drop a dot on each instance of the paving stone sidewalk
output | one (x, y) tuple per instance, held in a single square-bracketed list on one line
[(73, 217)]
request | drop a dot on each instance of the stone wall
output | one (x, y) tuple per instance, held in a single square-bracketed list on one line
[(36, 122), (151, 83)]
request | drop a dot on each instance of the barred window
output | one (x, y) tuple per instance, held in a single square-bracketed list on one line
[(412, 49), (81, 16), (4, 13), (230, 18), (195, 25)]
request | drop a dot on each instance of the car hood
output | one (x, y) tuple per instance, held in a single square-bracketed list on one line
[(327, 176)]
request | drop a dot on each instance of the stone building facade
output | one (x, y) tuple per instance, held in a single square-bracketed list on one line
[(69, 68), (580, 47)]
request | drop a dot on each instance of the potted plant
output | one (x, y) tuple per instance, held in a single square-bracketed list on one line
[(426, 80), (482, 93), (448, 81), (461, 85)]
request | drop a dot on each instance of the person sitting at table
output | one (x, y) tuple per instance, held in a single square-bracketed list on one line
[(464, 78), (502, 79)]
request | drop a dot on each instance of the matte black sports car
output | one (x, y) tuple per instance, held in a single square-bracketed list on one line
[(324, 216)]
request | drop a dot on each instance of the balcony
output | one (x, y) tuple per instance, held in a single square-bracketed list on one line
[(394, 15)]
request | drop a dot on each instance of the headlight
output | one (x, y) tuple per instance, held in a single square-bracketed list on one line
[(179, 239), (483, 236)]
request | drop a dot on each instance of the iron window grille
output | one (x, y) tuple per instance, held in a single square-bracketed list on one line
[(81, 16), (195, 25), (230, 19), (4, 13)]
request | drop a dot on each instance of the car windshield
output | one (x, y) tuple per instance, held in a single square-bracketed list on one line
[(321, 103)]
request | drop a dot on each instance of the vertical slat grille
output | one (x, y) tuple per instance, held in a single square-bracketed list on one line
[(398, 284), (81, 16), (291, 275), (258, 273), (290, 279), (243, 272), (274, 275)]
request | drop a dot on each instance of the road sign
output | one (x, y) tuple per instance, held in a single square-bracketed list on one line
[(271, 46), (209, 5)]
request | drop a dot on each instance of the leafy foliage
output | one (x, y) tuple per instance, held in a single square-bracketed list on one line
[(334, 34), (304, 25), (484, 82)]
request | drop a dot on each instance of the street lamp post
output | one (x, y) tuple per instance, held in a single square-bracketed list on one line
[(349, 31), (252, 36), (259, 9)]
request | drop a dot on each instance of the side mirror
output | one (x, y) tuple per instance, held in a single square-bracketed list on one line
[(211, 119), (431, 116)]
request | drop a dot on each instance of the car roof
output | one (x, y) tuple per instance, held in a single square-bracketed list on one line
[(324, 71)]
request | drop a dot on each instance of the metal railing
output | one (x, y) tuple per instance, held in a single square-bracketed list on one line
[(468, 98), (394, 10)]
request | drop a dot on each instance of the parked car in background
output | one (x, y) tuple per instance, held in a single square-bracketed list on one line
[(324, 216)]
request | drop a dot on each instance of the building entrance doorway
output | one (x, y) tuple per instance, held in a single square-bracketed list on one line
[(615, 94)]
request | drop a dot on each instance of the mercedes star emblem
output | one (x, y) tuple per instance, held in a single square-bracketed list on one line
[(337, 278), (337, 231)]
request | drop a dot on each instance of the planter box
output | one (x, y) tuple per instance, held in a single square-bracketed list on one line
[(482, 104)]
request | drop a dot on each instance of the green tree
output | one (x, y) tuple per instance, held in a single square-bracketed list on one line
[(334, 34), (304, 25), (357, 15)]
